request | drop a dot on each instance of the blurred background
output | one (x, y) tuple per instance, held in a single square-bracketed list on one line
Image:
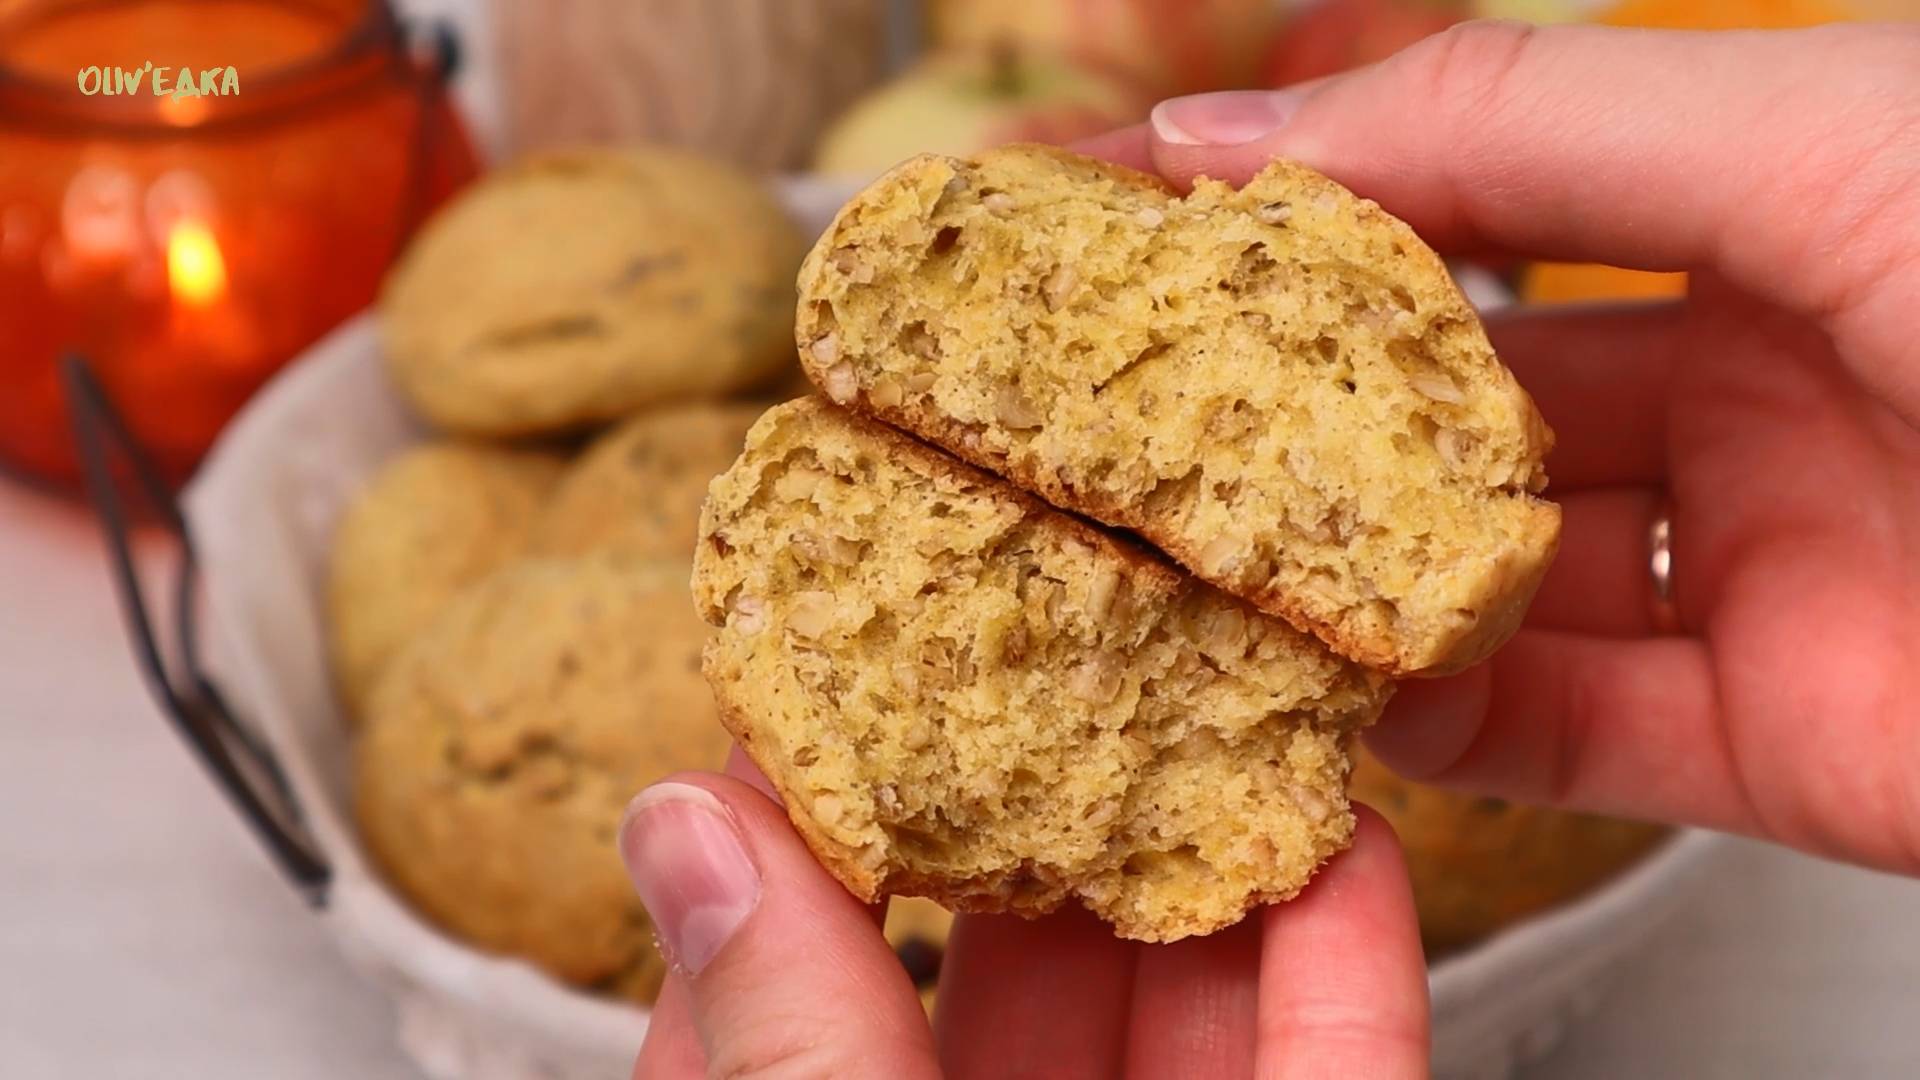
[(187, 247)]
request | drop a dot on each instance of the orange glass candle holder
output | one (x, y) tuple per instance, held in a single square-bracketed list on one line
[(191, 192)]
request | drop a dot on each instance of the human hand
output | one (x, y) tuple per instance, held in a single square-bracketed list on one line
[(779, 971), (1776, 407)]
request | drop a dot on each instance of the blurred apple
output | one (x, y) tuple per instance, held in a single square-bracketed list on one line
[(1334, 35), (1538, 12), (961, 102), (1166, 46)]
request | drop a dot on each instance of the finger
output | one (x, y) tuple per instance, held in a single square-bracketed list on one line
[(1343, 983), (784, 971), (1046, 997), (1556, 141), (672, 1048), (1596, 144), (1194, 1005), (1127, 146), (1628, 728), (1601, 581), (1601, 379), (742, 768)]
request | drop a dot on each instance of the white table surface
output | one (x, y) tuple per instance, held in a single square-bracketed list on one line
[(143, 935)]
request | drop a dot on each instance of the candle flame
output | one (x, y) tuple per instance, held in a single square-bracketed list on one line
[(196, 272), (184, 112)]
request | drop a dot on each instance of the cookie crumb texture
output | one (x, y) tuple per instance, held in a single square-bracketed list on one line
[(967, 695), (500, 752), (1279, 386)]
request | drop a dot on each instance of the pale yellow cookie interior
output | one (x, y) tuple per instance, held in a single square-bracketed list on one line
[(1280, 386), (965, 694)]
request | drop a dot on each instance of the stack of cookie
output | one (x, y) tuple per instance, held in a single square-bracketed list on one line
[(513, 637), (935, 638)]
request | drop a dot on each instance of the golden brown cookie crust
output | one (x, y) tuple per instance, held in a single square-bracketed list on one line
[(1281, 386), (638, 488), (574, 288), (967, 695), (431, 522), (502, 748)]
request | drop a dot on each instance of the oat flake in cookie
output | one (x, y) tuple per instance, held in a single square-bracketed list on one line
[(965, 694), (1280, 386)]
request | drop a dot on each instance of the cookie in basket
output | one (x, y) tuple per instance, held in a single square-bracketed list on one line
[(639, 487), (1480, 864), (432, 521), (576, 288), (502, 747), (788, 385)]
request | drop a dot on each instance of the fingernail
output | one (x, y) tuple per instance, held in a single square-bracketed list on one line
[(1228, 118), (691, 870)]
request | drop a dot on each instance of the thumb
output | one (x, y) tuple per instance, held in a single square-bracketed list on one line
[(1613, 145), (1780, 160), (780, 970)]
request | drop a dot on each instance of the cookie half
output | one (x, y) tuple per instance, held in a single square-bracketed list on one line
[(1280, 386), (965, 694)]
